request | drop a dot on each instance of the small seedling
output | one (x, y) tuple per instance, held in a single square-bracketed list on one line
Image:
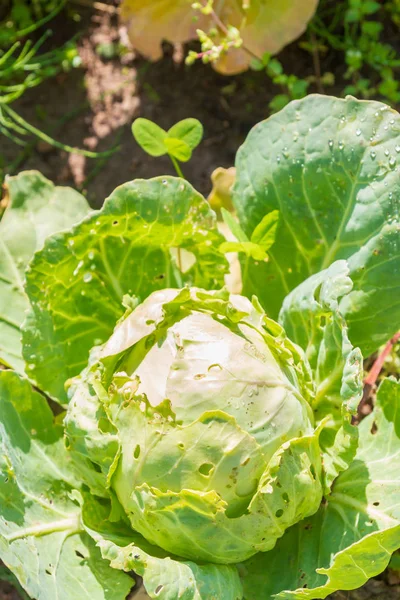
[(178, 142), (261, 240)]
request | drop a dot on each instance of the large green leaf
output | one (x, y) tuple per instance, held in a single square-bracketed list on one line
[(331, 167), (311, 318), (35, 209), (42, 540), (165, 577), (77, 282), (353, 535)]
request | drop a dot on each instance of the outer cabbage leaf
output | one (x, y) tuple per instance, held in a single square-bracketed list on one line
[(265, 26), (331, 167), (42, 540), (352, 536), (164, 577), (35, 209), (311, 317), (77, 282)]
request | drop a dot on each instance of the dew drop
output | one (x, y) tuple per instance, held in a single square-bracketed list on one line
[(330, 144), (397, 149), (87, 277), (387, 152), (78, 267), (373, 154), (358, 132), (392, 162)]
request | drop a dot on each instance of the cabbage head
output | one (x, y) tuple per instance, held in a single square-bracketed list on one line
[(195, 416)]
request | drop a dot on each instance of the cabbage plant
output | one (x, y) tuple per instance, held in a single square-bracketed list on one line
[(153, 422)]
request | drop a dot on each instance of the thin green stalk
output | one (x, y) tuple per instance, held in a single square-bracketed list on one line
[(177, 167), (12, 137), (41, 22), (46, 138)]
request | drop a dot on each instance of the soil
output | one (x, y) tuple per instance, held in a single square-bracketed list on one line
[(93, 108), (8, 592)]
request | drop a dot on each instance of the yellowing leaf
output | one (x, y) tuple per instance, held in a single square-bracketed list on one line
[(152, 21), (266, 26), (222, 180)]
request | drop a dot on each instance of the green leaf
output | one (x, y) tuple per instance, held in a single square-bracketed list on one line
[(353, 535), (311, 318), (42, 540), (77, 282), (35, 209), (331, 167), (178, 148), (265, 233), (164, 578), (149, 136), (189, 131), (250, 249), (234, 226)]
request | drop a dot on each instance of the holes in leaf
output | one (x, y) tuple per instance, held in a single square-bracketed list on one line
[(161, 276), (150, 341), (312, 471), (79, 554), (96, 467), (376, 503), (181, 446), (105, 425), (317, 292), (48, 572), (285, 497), (115, 222), (136, 452), (158, 589), (206, 468), (374, 428), (199, 376), (279, 513)]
